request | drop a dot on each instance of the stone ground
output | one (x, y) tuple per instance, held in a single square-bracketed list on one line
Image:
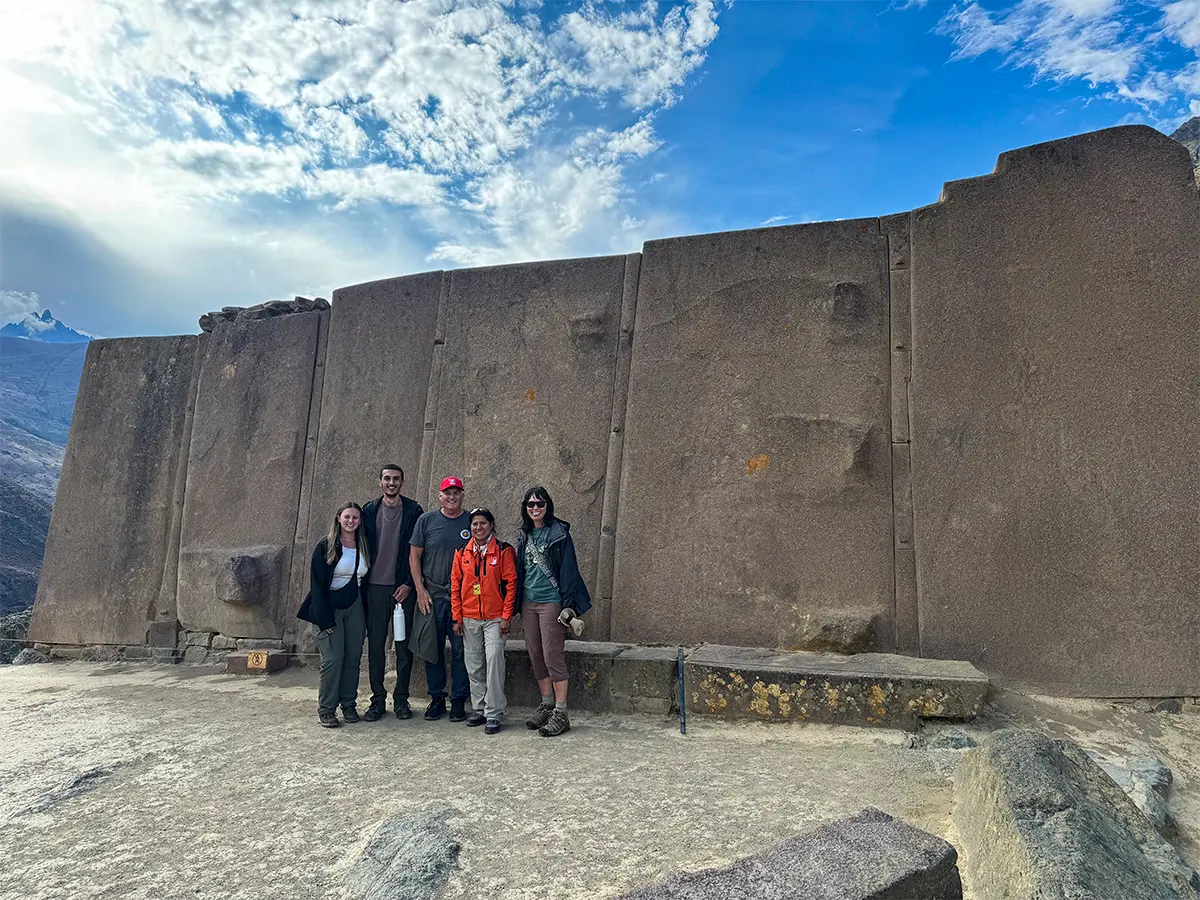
[(162, 782)]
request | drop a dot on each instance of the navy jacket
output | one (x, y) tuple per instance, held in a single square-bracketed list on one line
[(561, 555), (411, 511)]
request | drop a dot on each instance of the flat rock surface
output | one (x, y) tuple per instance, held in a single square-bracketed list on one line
[(868, 856), (139, 781)]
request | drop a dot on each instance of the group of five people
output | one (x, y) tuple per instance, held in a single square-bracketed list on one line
[(439, 576)]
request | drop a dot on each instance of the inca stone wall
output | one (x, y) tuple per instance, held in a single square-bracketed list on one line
[(244, 476), (114, 537), (968, 431), (756, 498), (1056, 386)]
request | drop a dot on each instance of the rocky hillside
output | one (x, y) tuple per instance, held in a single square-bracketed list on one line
[(24, 521), (1188, 134), (38, 383)]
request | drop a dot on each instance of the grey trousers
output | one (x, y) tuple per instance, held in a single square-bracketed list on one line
[(483, 649), (341, 658)]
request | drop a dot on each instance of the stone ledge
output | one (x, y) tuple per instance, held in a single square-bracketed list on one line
[(866, 689)]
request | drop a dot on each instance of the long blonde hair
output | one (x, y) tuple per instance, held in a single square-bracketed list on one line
[(334, 539)]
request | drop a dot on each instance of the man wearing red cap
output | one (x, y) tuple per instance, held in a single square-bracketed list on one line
[(437, 536)]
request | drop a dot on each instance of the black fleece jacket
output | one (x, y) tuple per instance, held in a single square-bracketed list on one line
[(370, 523)]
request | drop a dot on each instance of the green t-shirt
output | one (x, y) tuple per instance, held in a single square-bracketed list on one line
[(538, 588)]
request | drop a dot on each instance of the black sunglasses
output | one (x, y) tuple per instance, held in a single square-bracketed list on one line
[(535, 504)]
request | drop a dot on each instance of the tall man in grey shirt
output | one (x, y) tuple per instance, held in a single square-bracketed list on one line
[(438, 535), (389, 521)]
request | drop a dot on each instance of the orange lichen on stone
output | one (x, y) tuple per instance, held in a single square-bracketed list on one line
[(530, 395), (758, 463)]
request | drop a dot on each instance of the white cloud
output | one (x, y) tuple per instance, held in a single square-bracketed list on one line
[(16, 305), (1182, 20), (1118, 45), (773, 220), (161, 123)]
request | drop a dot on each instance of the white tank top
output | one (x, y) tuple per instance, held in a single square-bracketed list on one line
[(345, 567)]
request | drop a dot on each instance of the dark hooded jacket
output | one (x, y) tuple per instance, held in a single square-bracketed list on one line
[(560, 553), (410, 511)]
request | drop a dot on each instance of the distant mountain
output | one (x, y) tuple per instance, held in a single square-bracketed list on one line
[(24, 521), (1188, 134), (38, 384), (44, 328)]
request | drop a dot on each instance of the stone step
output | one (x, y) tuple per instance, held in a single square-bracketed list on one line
[(864, 689)]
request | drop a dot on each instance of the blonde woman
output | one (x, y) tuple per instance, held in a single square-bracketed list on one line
[(340, 561)]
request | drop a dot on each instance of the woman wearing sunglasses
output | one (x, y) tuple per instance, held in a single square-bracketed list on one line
[(551, 594), (483, 592)]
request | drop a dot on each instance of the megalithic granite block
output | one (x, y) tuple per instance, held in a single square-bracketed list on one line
[(869, 856)]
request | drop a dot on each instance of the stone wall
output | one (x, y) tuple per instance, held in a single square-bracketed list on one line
[(114, 532), (756, 499), (968, 431), (1056, 383), (245, 474)]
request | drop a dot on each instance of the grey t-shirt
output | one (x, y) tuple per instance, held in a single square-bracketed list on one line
[(441, 537), (387, 526)]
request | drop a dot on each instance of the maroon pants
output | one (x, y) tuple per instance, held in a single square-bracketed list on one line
[(544, 637)]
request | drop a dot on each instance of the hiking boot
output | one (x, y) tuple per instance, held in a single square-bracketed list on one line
[(493, 725), (373, 714), (476, 718), (540, 716), (328, 720), (437, 708), (403, 710), (458, 710), (558, 724), (350, 714)]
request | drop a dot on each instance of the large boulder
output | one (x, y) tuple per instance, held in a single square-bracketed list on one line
[(409, 857), (868, 856), (1039, 820)]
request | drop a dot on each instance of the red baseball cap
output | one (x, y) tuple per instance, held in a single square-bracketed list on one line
[(451, 482)]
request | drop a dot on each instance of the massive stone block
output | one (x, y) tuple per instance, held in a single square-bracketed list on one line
[(244, 476), (756, 490), (110, 533), (1056, 380), (381, 345), (526, 392)]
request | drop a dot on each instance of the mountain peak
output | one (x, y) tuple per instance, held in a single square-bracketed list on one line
[(44, 328)]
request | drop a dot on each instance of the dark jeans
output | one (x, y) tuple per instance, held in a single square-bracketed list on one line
[(379, 620), (435, 673)]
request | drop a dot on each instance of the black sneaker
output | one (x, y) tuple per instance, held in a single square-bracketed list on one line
[(476, 718), (373, 714), (403, 710), (458, 710), (350, 714), (558, 724), (328, 720), (437, 708), (540, 716), (493, 725)]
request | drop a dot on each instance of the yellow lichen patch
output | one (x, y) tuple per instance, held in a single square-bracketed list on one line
[(758, 463), (877, 699), (737, 679), (774, 690), (832, 696), (760, 704)]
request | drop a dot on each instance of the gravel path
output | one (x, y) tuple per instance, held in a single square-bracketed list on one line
[(138, 781)]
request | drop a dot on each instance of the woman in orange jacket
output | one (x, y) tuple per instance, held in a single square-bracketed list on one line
[(483, 591)]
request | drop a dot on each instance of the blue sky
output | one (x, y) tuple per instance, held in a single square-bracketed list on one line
[(161, 158)]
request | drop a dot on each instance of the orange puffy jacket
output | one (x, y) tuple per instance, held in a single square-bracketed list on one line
[(495, 573)]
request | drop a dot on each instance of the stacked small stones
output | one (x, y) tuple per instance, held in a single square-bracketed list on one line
[(268, 310)]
